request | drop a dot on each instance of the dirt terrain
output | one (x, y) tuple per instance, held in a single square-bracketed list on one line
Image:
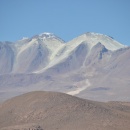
[(57, 111)]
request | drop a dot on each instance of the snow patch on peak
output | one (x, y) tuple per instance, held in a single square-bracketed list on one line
[(93, 33), (24, 38), (98, 34), (47, 35), (44, 36)]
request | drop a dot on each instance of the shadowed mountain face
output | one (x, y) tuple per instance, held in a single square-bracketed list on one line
[(52, 110), (6, 57), (92, 66)]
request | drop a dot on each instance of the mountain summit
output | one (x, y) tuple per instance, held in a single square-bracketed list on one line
[(46, 36), (93, 66)]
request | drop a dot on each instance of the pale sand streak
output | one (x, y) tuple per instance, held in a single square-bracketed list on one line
[(78, 90)]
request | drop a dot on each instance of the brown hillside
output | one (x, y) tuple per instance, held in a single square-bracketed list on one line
[(58, 111)]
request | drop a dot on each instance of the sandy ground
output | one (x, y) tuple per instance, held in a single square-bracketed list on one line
[(79, 89), (57, 111)]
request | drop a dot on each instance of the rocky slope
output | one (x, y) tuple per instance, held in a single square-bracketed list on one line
[(52, 110), (92, 66)]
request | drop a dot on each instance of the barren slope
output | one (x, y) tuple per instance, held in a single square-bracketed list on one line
[(51, 110)]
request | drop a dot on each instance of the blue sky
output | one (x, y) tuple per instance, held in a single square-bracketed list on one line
[(65, 18)]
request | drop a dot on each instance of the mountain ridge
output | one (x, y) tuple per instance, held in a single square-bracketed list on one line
[(51, 48), (45, 62)]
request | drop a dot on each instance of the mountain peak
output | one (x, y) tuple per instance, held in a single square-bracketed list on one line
[(44, 35), (47, 35), (97, 34), (93, 38)]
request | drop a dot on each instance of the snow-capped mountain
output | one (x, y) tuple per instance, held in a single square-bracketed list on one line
[(46, 50), (93, 66), (28, 55)]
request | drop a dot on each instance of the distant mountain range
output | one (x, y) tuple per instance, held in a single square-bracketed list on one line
[(92, 66)]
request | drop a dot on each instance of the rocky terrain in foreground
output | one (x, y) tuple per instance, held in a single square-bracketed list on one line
[(42, 110)]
